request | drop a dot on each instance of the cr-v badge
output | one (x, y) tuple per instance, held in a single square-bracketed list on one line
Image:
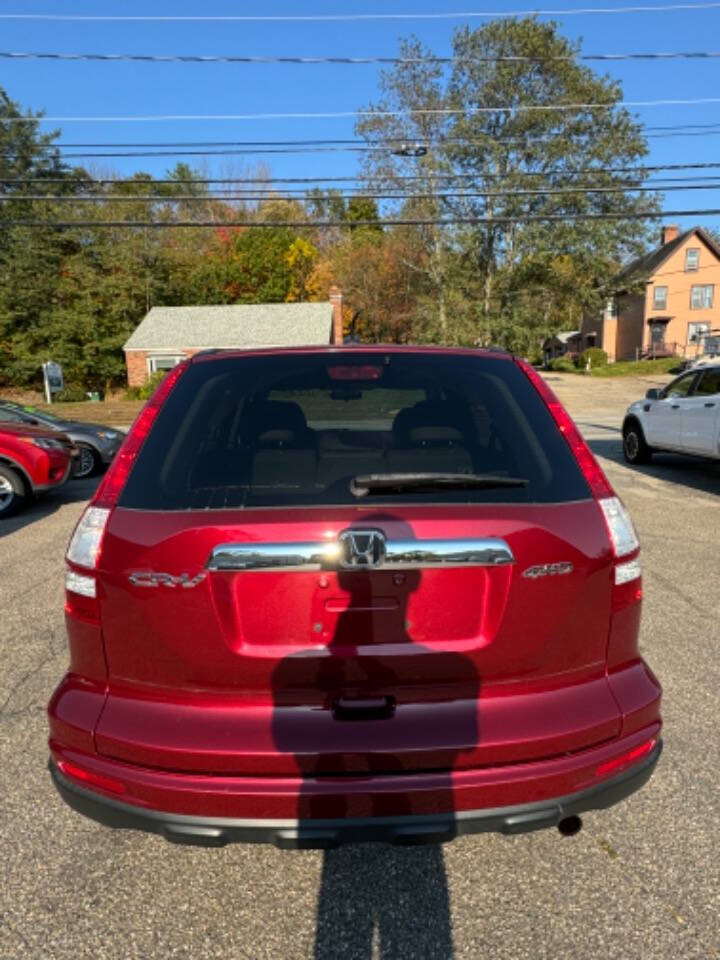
[(147, 578), (547, 570)]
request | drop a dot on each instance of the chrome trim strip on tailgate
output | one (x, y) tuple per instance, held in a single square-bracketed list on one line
[(399, 554)]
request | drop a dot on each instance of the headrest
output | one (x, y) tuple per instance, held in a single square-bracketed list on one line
[(276, 439), (266, 415), (435, 437), (428, 414)]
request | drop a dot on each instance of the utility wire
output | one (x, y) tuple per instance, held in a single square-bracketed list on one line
[(351, 61), (355, 17), (242, 151), (389, 142), (349, 114), (313, 224), (325, 146), (405, 178)]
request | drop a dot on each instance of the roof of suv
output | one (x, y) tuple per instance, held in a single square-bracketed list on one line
[(360, 349)]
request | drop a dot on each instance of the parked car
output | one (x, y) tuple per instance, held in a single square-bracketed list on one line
[(684, 417), (336, 595), (32, 460), (97, 445)]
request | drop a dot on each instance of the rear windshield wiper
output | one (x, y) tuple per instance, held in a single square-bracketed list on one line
[(369, 483)]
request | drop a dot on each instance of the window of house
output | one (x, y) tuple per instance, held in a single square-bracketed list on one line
[(163, 363), (701, 296), (660, 298), (692, 259), (697, 332)]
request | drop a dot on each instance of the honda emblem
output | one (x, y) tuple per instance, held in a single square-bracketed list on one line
[(361, 549)]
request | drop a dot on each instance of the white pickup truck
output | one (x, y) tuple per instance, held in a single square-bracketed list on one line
[(683, 417)]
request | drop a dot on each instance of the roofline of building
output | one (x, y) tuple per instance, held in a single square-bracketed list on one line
[(644, 277)]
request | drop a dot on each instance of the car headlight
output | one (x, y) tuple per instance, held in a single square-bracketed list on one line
[(45, 442), (108, 434)]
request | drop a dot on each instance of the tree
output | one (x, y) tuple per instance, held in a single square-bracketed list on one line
[(525, 160), (410, 115), (29, 259), (494, 123)]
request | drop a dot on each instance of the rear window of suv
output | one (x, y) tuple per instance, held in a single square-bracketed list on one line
[(296, 429)]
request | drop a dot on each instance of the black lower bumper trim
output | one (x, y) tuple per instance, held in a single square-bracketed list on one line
[(324, 834)]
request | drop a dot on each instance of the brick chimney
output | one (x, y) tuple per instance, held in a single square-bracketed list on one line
[(336, 335), (669, 232)]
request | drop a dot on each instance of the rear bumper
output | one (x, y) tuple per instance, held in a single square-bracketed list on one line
[(321, 833)]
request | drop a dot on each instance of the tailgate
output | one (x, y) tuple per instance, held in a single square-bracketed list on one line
[(448, 653)]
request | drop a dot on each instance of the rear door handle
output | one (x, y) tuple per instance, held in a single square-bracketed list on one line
[(374, 708), (676, 406), (711, 403)]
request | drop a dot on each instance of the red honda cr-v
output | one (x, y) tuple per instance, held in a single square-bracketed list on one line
[(328, 594)]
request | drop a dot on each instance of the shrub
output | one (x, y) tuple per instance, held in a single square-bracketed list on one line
[(147, 389), (562, 365), (596, 356), (71, 393)]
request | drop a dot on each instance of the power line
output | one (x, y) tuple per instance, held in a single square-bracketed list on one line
[(211, 150), (350, 17), (312, 224), (349, 114), (405, 178), (349, 61), (244, 198), (391, 141), (218, 147)]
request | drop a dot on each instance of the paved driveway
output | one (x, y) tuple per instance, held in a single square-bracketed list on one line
[(640, 881)]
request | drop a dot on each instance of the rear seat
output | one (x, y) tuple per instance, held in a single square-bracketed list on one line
[(278, 451), (432, 437), (284, 454), (339, 457)]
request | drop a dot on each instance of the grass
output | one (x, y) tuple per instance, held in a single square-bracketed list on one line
[(634, 368), (112, 413), (627, 368)]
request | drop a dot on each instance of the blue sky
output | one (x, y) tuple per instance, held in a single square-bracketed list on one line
[(115, 89)]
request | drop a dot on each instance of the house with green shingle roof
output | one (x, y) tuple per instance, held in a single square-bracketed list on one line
[(167, 335)]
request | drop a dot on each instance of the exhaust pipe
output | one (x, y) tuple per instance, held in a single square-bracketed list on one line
[(569, 826)]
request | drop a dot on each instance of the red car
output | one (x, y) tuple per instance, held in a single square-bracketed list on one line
[(344, 594), (32, 460)]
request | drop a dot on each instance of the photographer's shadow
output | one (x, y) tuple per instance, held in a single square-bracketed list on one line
[(395, 896)]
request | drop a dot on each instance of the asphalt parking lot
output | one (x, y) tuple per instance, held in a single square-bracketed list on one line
[(640, 881)]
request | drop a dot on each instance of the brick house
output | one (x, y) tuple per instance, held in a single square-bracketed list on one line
[(560, 345), (664, 303), (166, 335)]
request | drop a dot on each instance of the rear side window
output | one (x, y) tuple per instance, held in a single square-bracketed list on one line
[(709, 383), (294, 430)]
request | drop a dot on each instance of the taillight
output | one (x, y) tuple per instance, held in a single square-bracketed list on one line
[(621, 531), (589, 467), (86, 541), (109, 491), (84, 551), (620, 527), (84, 547)]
